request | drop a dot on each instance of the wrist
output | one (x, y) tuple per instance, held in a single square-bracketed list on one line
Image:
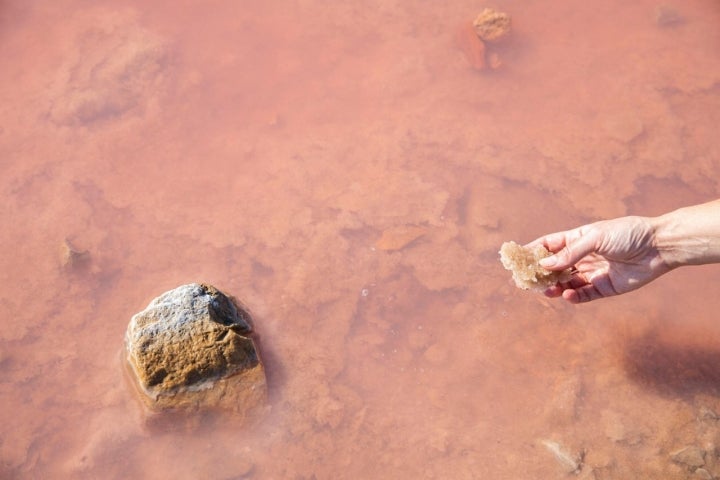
[(667, 239), (688, 236)]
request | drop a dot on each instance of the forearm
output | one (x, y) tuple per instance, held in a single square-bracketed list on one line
[(690, 235)]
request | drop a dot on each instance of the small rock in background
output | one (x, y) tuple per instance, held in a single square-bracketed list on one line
[(703, 474), (190, 349), (491, 25), (397, 238), (708, 414), (693, 457), (71, 257), (570, 463)]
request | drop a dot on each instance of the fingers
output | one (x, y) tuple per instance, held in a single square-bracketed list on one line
[(574, 295), (554, 291), (568, 246), (576, 245), (580, 289), (599, 287), (571, 295), (582, 294), (553, 242), (576, 281)]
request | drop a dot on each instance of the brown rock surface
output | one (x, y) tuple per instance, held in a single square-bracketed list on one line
[(189, 348), (492, 25), (397, 238), (691, 456), (72, 257)]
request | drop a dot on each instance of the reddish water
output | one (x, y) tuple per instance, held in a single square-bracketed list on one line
[(342, 169)]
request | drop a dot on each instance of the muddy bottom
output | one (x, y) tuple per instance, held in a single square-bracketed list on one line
[(349, 173)]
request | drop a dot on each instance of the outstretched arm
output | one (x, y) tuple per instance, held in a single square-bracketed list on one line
[(690, 236), (616, 256)]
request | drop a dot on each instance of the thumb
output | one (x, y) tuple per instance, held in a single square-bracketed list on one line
[(571, 253)]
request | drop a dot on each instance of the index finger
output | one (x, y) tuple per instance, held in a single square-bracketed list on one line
[(554, 242)]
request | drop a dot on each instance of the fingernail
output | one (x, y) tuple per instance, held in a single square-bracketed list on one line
[(548, 261)]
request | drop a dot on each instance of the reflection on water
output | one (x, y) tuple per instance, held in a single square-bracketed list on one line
[(344, 171)]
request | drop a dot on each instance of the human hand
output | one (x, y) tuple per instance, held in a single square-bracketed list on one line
[(608, 258)]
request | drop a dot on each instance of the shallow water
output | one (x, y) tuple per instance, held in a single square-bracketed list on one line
[(344, 171)]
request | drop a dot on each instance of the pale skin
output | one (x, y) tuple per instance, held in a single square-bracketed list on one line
[(612, 257)]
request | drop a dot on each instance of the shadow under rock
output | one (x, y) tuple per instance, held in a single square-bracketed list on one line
[(674, 365), (274, 371)]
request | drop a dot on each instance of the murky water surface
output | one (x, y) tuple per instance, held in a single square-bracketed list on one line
[(342, 169)]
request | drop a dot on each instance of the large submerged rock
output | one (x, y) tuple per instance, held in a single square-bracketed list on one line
[(190, 349)]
